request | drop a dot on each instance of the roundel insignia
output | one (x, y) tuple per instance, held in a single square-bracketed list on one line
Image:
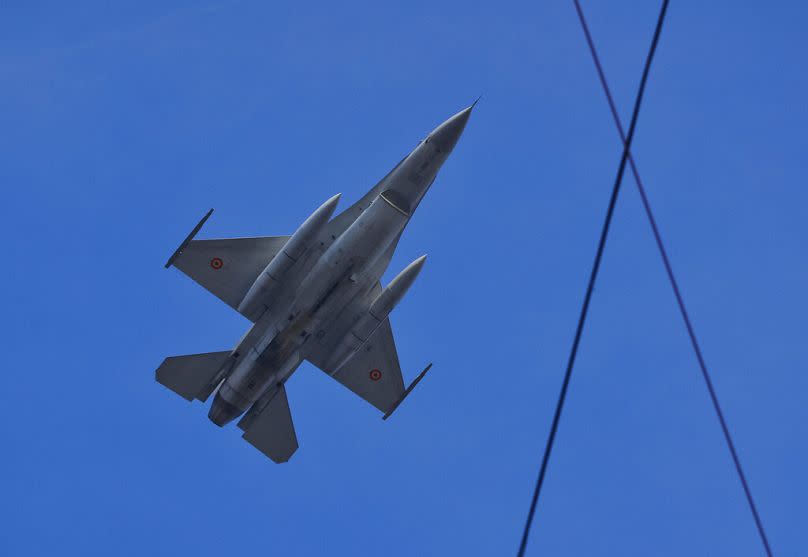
[(216, 263), (375, 374)]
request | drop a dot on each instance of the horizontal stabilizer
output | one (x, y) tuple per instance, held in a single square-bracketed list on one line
[(272, 431), (191, 376)]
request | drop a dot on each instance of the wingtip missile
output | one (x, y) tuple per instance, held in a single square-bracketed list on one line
[(188, 239), (407, 392)]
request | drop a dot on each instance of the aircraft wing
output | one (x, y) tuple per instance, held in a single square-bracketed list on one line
[(374, 372), (227, 267)]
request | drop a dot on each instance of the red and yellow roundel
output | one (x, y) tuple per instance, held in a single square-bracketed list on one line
[(216, 263), (375, 374)]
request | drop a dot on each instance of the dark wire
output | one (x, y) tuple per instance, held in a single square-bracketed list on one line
[(592, 278), (669, 270)]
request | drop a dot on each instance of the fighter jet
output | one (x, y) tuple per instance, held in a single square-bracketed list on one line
[(315, 295)]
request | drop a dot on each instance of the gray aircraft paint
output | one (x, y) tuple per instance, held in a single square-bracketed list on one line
[(315, 296)]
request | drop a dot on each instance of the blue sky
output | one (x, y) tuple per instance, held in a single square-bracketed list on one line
[(123, 122)]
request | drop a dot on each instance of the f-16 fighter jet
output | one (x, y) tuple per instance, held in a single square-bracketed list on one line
[(315, 295)]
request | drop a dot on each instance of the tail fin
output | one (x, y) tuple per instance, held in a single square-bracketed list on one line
[(194, 376)]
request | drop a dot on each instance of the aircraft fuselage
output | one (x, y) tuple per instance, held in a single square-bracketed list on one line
[(270, 351)]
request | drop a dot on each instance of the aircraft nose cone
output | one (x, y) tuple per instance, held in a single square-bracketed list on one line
[(446, 135)]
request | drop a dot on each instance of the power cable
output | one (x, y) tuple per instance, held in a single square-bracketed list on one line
[(592, 278), (674, 284)]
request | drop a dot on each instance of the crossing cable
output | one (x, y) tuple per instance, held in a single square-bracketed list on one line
[(674, 284), (592, 278)]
